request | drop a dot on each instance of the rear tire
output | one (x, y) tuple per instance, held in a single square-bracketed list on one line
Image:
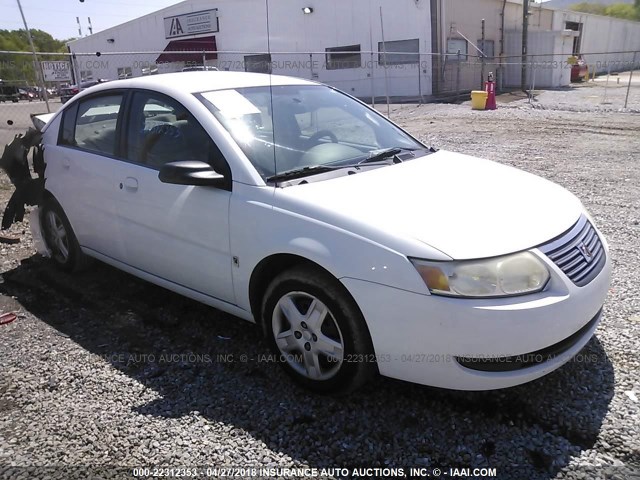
[(317, 331), (60, 238)]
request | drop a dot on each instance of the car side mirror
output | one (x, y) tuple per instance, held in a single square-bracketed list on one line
[(191, 173)]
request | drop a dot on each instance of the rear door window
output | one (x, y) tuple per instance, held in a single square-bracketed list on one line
[(96, 123), (68, 130)]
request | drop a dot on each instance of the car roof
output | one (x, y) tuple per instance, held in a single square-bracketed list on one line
[(192, 82)]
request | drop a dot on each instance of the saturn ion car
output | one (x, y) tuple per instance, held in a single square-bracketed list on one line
[(356, 248)]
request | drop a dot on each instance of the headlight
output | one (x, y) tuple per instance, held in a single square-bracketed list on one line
[(510, 275)]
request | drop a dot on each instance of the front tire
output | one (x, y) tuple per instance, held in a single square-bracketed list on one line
[(59, 236), (317, 331)]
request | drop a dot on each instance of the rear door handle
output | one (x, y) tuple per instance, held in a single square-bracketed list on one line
[(66, 163), (130, 184)]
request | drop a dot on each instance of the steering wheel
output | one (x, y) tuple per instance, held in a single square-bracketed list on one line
[(315, 138), (156, 133)]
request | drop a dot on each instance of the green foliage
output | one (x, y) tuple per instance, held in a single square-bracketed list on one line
[(618, 10), (19, 69), (586, 7), (17, 40), (622, 10)]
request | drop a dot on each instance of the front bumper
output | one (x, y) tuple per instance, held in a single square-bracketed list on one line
[(426, 339)]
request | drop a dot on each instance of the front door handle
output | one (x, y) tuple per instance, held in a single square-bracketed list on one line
[(66, 163), (130, 183)]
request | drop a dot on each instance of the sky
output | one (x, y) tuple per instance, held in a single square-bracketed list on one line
[(58, 17)]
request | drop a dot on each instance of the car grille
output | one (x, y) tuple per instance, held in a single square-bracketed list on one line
[(579, 253)]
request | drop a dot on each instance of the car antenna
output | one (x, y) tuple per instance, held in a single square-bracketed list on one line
[(273, 123)]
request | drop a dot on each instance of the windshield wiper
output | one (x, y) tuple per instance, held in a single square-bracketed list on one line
[(302, 172), (378, 155), (314, 169)]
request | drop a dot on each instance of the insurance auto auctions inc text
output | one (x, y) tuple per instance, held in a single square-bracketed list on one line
[(362, 472)]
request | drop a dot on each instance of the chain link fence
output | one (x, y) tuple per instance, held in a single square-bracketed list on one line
[(374, 77)]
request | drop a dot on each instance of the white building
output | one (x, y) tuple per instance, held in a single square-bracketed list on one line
[(341, 43), (331, 42)]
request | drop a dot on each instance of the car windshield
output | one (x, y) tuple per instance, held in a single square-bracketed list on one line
[(294, 128)]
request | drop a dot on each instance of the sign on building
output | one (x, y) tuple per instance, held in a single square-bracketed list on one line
[(56, 71), (205, 21)]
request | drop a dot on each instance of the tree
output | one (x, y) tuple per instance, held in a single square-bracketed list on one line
[(19, 69), (586, 7), (618, 10), (622, 10), (17, 39)]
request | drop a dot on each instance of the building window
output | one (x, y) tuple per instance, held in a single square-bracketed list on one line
[(576, 27), (86, 75), (124, 72), (257, 63), (399, 52), (339, 58), (455, 45), (488, 48)]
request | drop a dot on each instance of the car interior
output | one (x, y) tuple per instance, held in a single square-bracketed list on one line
[(159, 132), (305, 134)]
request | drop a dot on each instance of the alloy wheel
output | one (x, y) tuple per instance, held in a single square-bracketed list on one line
[(58, 237), (308, 336)]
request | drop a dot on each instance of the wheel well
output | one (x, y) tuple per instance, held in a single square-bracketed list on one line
[(267, 270), (47, 195), (270, 267)]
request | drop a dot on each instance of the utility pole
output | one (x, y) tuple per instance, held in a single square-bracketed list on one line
[(525, 35), (482, 56), (35, 57)]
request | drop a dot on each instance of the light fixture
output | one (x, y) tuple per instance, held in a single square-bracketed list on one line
[(111, 40), (307, 10)]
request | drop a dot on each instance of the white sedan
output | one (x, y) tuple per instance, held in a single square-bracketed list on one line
[(357, 249)]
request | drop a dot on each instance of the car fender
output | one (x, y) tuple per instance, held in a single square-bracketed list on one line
[(277, 231), (54, 182)]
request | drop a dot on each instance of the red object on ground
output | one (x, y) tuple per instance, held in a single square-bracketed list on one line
[(490, 88), (579, 69), (7, 318)]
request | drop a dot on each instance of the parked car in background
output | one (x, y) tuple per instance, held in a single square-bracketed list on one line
[(68, 92), (356, 248), (579, 69), (9, 93), (200, 68), (27, 94)]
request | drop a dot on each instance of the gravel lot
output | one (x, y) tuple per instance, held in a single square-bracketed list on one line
[(101, 369)]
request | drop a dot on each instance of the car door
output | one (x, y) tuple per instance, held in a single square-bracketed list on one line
[(80, 169), (179, 233)]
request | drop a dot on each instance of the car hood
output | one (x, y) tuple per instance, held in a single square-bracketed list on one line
[(464, 206)]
